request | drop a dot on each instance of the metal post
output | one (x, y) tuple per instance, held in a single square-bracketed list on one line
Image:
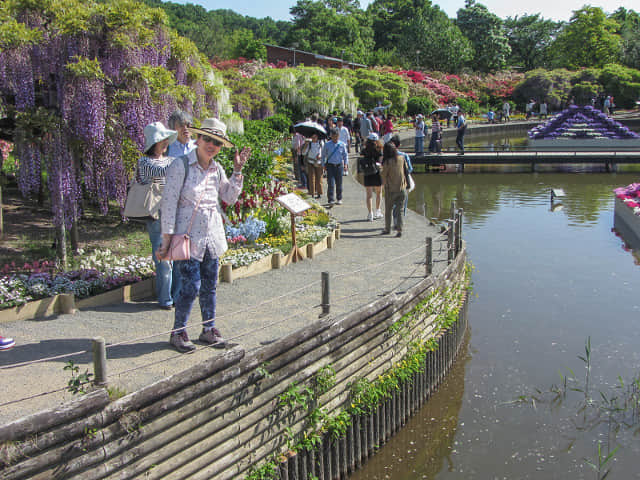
[(429, 258), (460, 218), (325, 294), (452, 211), (450, 235), (99, 361)]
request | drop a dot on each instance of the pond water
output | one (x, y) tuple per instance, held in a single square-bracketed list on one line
[(548, 279)]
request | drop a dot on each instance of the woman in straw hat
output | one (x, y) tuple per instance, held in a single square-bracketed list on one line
[(152, 168), (191, 199)]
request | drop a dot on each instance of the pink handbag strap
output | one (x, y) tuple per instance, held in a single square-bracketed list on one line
[(195, 209)]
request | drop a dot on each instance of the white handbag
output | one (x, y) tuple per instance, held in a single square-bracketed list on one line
[(143, 201)]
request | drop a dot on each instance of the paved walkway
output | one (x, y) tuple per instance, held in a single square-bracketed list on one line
[(254, 311)]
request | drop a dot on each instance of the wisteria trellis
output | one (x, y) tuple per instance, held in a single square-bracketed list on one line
[(82, 79)]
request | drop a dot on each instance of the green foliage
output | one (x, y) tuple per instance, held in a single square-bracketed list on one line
[(530, 38), (324, 380), (279, 122), (296, 397), (621, 82), (78, 380), (552, 85), (336, 28), (266, 471), (85, 68), (589, 40), (468, 105), (423, 105), (374, 86), (487, 34), (418, 34)]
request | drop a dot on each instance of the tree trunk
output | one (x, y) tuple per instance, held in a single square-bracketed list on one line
[(61, 245), (75, 237)]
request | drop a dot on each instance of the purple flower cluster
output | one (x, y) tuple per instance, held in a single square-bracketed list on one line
[(79, 148), (581, 122)]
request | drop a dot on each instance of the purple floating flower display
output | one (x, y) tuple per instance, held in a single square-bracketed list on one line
[(581, 122)]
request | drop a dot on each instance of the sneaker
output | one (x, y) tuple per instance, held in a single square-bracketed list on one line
[(370, 217), (212, 337), (166, 307), (399, 234), (378, 214), (331, 202), (339, 202), (6, 343), (180, 340)]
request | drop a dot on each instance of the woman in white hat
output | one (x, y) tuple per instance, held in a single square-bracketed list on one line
[(152, 168), (191, 203)]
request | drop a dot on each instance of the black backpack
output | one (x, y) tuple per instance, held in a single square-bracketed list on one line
[(368, 165)]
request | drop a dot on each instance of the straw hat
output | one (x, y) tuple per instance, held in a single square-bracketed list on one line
[(156, 132), (214, 128)]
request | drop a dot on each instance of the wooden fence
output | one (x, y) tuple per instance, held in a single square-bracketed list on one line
[(225, 417)]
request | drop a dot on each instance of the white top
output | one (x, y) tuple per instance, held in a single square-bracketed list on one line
[(178, 203), (345, 136)]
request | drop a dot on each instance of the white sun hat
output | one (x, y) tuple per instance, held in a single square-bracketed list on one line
[(156, 132), (214, 128)]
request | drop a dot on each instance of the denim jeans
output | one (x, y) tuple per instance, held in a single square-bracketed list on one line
[(460, 139), (199, 279), (334, 180), (419, 144), (167, 278)]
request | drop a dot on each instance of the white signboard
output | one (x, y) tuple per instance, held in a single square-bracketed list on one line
[(293, 203)]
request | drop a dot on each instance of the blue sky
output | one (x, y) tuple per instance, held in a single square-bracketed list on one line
[(554, 9)]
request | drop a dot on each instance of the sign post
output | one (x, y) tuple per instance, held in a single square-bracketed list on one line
[(295, 205)]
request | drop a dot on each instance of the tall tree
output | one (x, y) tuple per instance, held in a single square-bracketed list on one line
[(629, 31), (588, 40), (487, 34), (421, 33), (530, 37), (337, 28)]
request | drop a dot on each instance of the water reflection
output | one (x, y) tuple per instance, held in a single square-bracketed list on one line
[(434, 426), (546, 279)]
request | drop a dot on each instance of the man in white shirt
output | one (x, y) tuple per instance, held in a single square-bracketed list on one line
[(181, 122), (344, 137)]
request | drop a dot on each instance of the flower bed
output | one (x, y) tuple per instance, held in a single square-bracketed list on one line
[(630, 196), (96, 273)]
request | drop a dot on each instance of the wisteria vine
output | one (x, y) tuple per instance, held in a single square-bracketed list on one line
[(78, 66)]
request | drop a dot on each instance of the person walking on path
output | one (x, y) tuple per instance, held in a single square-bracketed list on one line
[(345, 137), (191, 203), (6, 343), (419, 134), (312, 152), (407, 160), (334, 160), (152, 168), (461, 127), (506, 111), (434, 143), (393, 177), (297, 141), (180, 122), (543, 110), (370, 162)]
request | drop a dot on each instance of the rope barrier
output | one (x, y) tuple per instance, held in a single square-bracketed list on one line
[(30, 362), (253, 307)]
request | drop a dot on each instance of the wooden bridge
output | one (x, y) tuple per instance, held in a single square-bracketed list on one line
[(533, 158)]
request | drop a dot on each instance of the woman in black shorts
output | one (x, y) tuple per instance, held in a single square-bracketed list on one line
[(370, 161)]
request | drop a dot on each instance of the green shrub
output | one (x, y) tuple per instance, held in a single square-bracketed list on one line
[(422, 105), (467, 105)]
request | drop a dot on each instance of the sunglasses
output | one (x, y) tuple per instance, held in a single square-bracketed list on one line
[(208, 139)]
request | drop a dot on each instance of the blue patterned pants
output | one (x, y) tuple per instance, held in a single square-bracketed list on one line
[(199, 279)]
